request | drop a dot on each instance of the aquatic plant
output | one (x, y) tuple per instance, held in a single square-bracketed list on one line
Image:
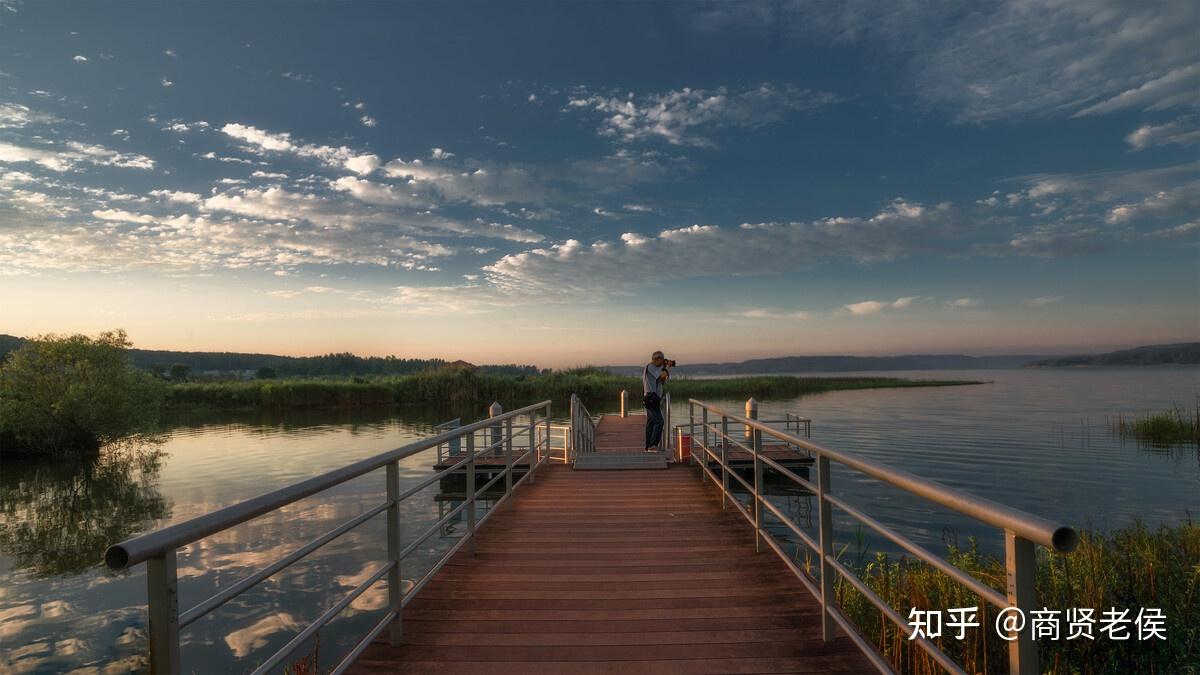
[(1129, 568), (465, 387), (1161, 428)]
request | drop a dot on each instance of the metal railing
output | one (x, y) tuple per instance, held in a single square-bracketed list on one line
[(158, 549), (452, 447), (559, 447), (1022, 531), (583, 428)]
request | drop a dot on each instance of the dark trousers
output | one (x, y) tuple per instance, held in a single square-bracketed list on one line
[(654, 426)]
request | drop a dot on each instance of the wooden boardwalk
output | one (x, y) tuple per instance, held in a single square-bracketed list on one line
[(616, 434), (613, 572)]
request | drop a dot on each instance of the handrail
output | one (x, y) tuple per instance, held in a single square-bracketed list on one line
[(1022, 530), (583, 428), (138, 549), (1060, 538), (158, 549)]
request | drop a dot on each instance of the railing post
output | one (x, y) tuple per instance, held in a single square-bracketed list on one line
[(758, 490), (692, 433), (704, 423), (665, 441), (162, 585), (573, 430), (471, 489), (825, 534), (395, 581), (1021, 565), (533, 444), (724, 461), (537, 455), (508, 458), (624, 403), (752, 413)]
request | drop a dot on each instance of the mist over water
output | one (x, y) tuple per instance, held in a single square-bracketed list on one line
[(1033, 439)]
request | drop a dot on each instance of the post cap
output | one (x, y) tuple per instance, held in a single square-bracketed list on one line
[(495, 409), (751, 406)]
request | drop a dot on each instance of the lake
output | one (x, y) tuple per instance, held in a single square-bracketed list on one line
[(1034, 439)]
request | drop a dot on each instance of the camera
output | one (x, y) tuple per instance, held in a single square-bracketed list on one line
[(668, 363)]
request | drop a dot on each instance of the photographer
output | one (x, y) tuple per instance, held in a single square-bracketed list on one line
[(654, 377)]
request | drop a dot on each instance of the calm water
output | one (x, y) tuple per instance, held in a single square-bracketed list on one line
[(1037, 440)]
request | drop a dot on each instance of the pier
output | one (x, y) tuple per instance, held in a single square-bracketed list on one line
[(595, 556)]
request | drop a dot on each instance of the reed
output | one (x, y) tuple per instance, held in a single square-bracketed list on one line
[(1162, 428), (463, 387), (1130, 568)]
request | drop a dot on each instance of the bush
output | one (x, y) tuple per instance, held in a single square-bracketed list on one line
[(72, 394)]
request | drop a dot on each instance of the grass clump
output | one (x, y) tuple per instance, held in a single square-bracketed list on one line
[(1161, 428), (1130, 568)]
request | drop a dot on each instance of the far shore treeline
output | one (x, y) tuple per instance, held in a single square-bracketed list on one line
[(70, 395)]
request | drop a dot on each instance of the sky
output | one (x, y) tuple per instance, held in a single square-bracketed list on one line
[(573, 183)]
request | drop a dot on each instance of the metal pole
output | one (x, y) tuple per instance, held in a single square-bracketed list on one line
[(724, 461), (1020, 564), (825, 532), (758, 491), (471, 489), (573, 432), (538, 453), (624, 403), (395, 589), (704, 423), (508, 460), (692, 433), (162, 585)]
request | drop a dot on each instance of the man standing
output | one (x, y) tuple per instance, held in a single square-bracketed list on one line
[(654, 376)]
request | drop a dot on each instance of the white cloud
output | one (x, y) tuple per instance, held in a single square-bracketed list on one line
[(1179, 132), (1044, 301), (167, 83), (368, 121), (875, 306), (261, 142), (177, 197), (1007, 58), (79, 58), (1178, 230), (759, 313), (16, 116), (439, 153), (573, 267), (75, 153), (962, 303), (686, 116), (123, 216)]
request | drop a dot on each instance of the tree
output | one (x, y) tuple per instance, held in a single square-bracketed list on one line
[(179, 372), (72, 394), (265, 373)]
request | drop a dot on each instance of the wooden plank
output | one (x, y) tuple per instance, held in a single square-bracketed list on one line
[(629, 572)]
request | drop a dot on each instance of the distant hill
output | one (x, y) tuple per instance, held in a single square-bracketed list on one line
[(1151, 355), (245, 364), (825, 364)]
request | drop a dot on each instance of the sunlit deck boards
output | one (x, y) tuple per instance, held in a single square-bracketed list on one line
[(618, 434), (613, 572)]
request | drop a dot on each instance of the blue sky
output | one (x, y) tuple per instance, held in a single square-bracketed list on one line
[(572, 183)]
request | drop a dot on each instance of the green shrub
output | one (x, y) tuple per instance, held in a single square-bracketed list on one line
[(72, 394)]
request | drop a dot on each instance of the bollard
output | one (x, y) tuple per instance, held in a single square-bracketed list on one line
[(752, 413), (624, 403), (496, 435)]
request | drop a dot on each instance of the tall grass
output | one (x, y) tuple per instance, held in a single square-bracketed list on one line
[(1163, 428), (1130, 568), (459, 387)]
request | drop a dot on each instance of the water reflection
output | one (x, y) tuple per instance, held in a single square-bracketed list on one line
[(58, 516)]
